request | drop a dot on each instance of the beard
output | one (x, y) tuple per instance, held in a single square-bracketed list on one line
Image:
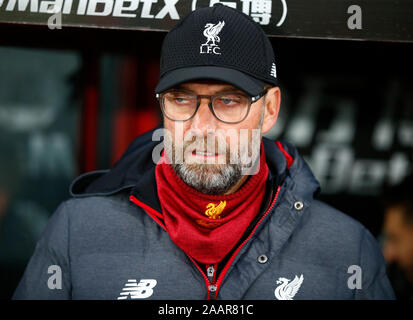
[(209, 179), (213, 178)]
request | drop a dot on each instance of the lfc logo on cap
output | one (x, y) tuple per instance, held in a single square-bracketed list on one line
[(211, 32)]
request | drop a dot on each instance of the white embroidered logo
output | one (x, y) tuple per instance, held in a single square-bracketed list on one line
[(141, 290), (286, 289), (211, 33), (273, 71)]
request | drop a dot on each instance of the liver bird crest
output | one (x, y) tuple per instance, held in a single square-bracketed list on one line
[(211, 32), (286, 289)]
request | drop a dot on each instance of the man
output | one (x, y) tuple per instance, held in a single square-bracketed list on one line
[(212, 211), (398, 232)]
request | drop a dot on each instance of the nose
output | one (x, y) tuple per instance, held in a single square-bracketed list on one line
[(204, 121)]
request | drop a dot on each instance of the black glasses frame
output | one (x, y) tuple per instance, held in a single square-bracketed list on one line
[(160, 97)]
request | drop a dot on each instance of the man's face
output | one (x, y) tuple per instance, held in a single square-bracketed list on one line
[(214, 152), (399, 240)]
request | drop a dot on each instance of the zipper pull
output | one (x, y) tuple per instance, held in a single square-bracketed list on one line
[(212, 288), (210, 273)]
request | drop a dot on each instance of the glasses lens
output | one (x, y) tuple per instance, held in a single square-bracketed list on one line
[(179, 105), (231, 107)]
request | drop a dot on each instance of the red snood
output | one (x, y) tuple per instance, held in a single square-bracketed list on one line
[(206, 227)]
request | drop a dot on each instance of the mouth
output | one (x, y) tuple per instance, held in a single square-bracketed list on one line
[(204, 154)]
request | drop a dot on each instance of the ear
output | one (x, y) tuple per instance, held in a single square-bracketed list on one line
[(272, 108)]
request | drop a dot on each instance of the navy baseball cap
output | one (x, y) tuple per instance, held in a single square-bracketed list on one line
[(217, 43)]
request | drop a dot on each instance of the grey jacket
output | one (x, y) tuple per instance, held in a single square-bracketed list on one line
[(103, 244)]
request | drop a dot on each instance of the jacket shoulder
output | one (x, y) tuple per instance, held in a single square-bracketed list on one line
[(351, 246), (333, 221), (331, 236), (336, 232), (92, 211)]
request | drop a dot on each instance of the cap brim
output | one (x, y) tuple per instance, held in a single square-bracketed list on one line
[(250, 85)]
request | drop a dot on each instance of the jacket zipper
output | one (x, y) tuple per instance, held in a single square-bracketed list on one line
[(211, 285), (211, 271)]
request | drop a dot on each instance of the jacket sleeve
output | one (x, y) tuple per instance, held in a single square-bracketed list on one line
[(375, 283), (47, 275)]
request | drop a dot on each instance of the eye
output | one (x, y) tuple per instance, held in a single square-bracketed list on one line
[(181, 100), (230, 100), (226, 100)]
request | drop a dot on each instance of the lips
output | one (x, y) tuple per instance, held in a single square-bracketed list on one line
[(204, 153)]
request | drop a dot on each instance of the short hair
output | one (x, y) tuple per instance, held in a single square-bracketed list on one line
[(268, 86)]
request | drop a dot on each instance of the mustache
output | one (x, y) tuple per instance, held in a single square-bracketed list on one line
[(206, 143), (209, 143)]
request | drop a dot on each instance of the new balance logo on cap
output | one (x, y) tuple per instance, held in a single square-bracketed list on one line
[(141, 290), (273, 71), (211, 33)]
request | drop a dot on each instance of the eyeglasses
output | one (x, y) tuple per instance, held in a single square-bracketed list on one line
[(228, 107)]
